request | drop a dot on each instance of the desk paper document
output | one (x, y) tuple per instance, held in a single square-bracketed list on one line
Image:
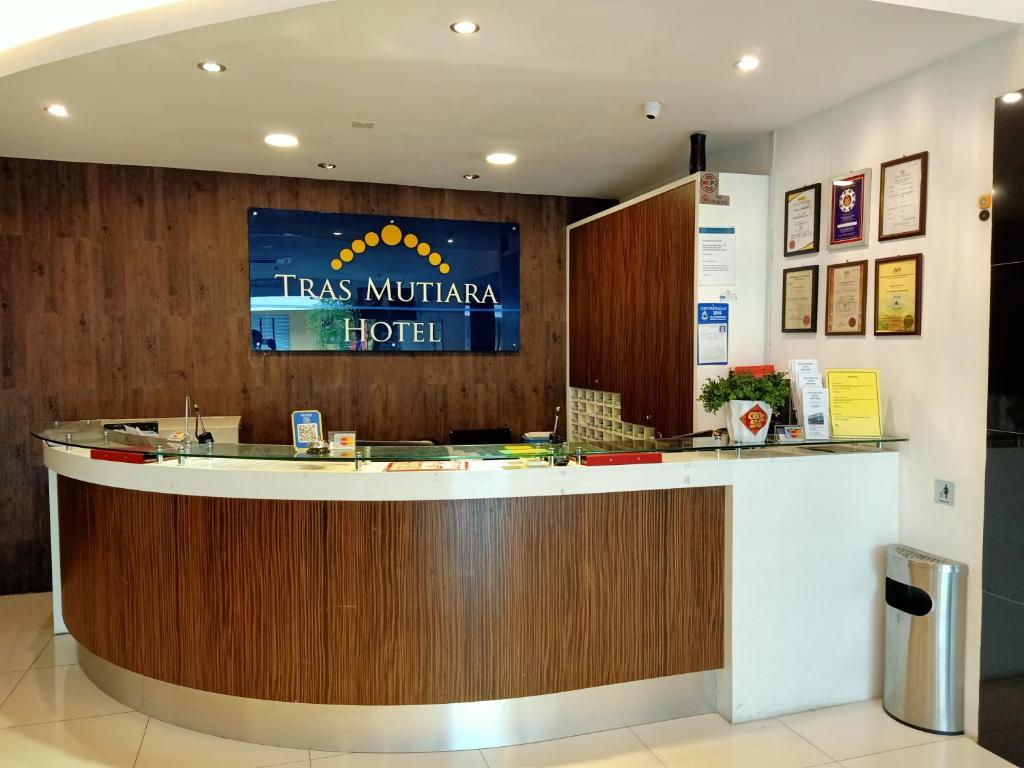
[(815, 413), (802, 373), (854, 402)]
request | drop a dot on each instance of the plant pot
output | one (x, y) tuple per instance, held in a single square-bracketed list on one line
[(747, 420)]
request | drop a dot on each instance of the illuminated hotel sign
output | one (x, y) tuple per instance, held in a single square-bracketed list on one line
[(354, 283)]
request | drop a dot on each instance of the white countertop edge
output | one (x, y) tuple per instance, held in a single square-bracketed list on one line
[(280, 480)]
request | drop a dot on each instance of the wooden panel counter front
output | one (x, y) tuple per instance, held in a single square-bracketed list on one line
[(395, 602)]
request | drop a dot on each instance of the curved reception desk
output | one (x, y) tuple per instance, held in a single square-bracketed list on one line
[(348, 606)]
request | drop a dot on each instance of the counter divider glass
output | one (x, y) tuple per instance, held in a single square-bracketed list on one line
[(91, 435)]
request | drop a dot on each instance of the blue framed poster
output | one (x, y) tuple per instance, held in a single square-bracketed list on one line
[(337, 282), (712, 333)]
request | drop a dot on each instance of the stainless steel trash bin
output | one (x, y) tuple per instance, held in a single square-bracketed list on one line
[(925, 607)]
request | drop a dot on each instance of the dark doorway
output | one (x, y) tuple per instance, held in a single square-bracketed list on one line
[(1001, 716)]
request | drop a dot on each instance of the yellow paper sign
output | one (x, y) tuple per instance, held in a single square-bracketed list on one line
[(854, 402)]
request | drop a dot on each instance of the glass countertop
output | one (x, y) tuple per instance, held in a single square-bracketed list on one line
[(91, 434)]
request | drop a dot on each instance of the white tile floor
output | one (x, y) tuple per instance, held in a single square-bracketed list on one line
[(51, 716)]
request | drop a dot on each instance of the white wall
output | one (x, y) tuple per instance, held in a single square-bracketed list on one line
[(751, 157), (748, 213), (933, 387)]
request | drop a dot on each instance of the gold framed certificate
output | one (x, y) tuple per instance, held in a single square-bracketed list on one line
[(898, 296), (800, 300), (803, 220), (903, 198), (846, 298)]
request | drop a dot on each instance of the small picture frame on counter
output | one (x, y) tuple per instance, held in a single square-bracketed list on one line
[(307, 428)]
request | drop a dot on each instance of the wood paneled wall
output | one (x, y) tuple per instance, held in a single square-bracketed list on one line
[(416, 602), (122, 289), (631, 293)]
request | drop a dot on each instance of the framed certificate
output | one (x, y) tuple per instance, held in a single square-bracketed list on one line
[(800, 300), (803, 220), (846, 298), (903, 197), (848, 219), (898, 296)]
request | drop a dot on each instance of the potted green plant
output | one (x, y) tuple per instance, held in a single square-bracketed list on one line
[(749, 401)]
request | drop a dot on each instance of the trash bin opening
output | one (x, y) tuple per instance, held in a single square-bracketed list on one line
[(904, 597)]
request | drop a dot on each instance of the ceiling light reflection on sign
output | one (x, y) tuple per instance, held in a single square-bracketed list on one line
[(281, 140), (501, 158)]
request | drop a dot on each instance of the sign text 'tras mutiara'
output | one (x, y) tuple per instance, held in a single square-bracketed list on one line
[(400, 290)]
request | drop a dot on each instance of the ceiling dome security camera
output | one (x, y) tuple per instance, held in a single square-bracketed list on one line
[(652, 109)]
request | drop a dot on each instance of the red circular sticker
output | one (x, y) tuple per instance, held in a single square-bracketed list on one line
[(792, 244), (807, 319), (709, 183), (853, 322)]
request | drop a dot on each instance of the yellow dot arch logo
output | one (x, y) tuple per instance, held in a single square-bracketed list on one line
[(390, 234)]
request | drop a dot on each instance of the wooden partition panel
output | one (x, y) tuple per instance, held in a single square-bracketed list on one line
[(395, 602), (631, 299), (124, 289)]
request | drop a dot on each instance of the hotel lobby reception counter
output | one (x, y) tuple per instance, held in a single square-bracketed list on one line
[(313, 606)]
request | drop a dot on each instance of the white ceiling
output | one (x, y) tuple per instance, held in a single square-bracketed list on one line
[(40, 31), (1004, 10), (559, 82)]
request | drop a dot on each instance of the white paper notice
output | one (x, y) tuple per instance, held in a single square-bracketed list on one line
[(717, 256), (712, 345), (816, 421), (712, 334)]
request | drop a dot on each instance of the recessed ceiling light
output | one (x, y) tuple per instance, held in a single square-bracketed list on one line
[(281, 140), (1012, 97), (747, 63), (57, 110), (326, 166), (465, 27), (501, 158), (471, 176), (211, 66)]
